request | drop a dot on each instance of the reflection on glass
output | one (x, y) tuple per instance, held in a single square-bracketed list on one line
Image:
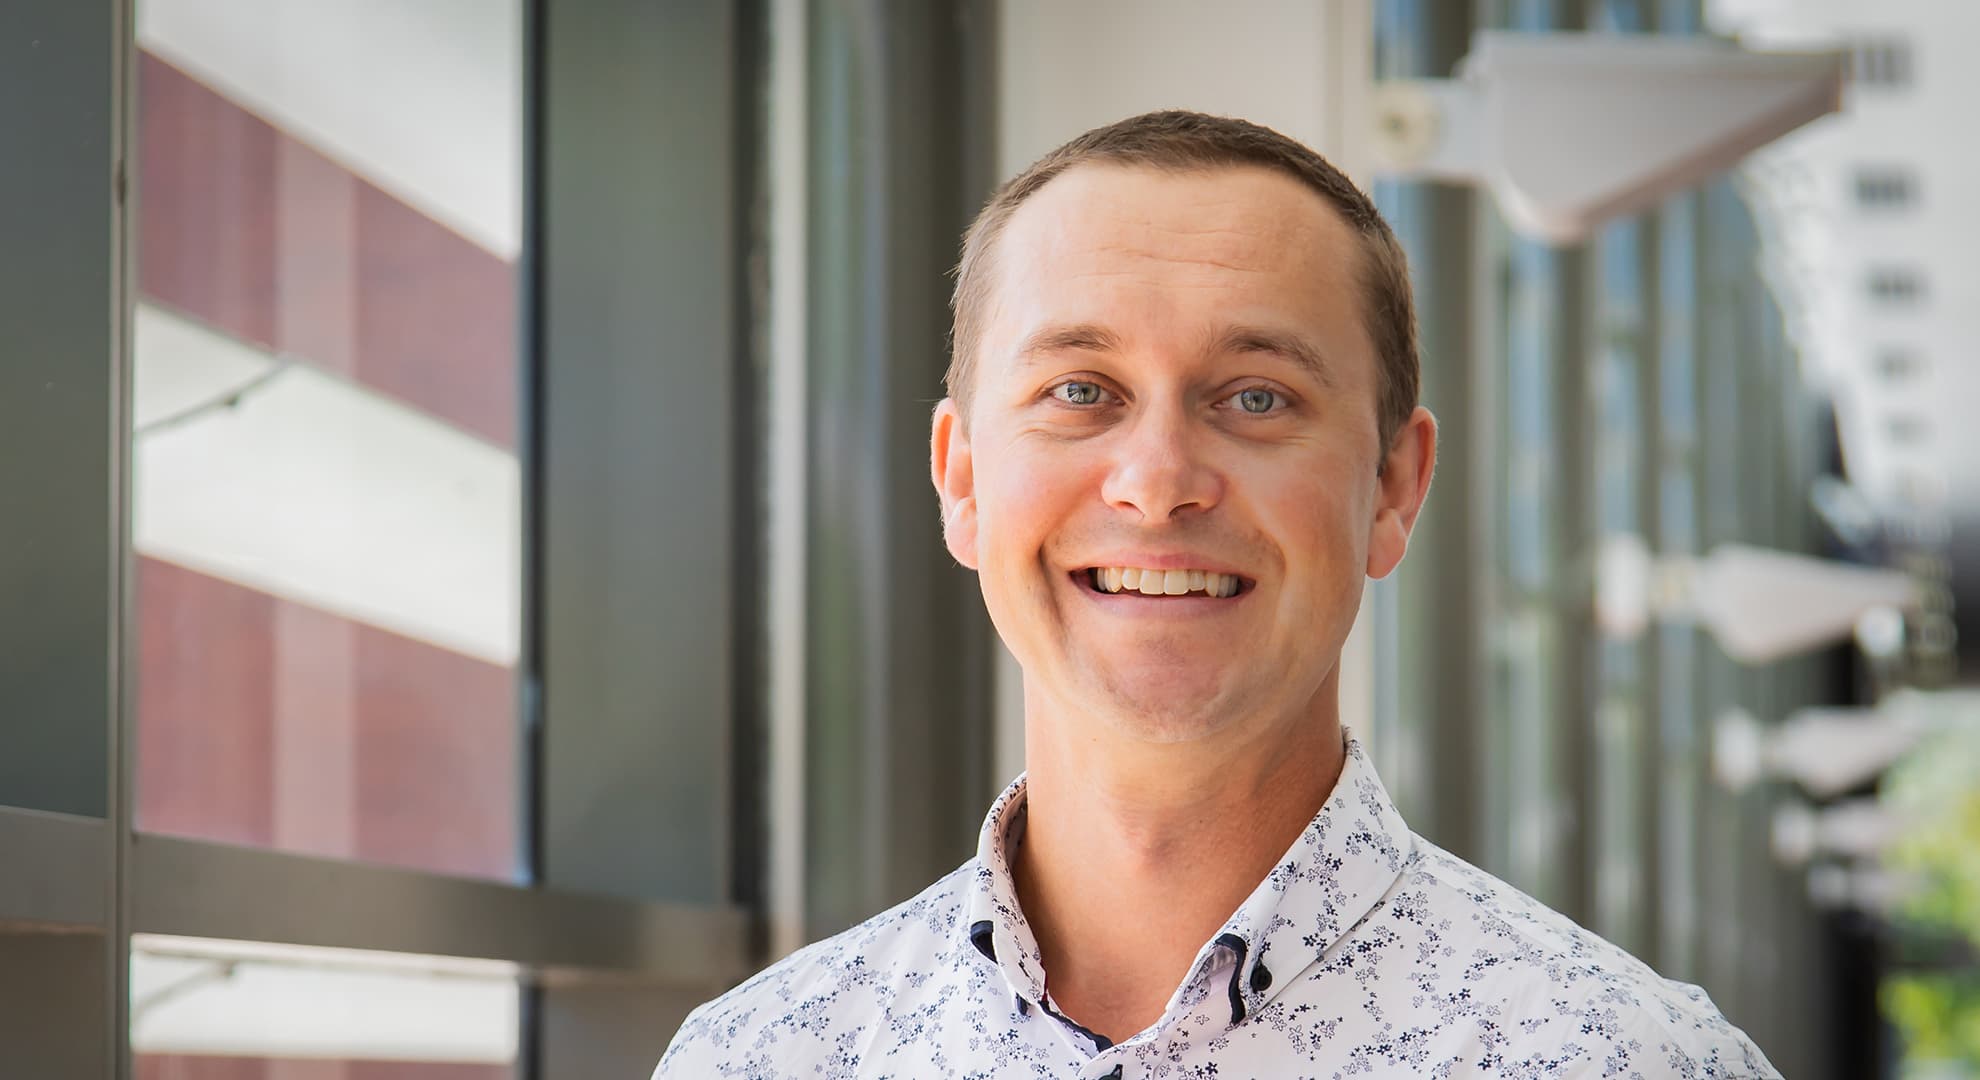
[(326, 496), (220, 1010)]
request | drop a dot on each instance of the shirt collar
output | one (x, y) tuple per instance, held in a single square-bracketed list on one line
[(991, 919), (1342, 863)]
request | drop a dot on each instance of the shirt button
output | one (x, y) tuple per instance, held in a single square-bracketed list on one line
[(1261, 979)]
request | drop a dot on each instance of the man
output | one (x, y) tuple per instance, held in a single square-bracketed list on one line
[(1182, 431)]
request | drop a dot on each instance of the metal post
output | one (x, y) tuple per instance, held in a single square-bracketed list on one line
[(898, 652), (64, 385)]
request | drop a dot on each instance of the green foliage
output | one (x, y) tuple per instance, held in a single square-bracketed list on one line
[(1937, 1014), (1935, 793)]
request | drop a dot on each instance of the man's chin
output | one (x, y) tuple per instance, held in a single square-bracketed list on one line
[(1170, 713)]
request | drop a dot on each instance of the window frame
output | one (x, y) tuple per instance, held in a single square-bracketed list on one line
[(620, 924)]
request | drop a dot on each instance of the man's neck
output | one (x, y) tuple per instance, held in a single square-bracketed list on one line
[(1134, 855)]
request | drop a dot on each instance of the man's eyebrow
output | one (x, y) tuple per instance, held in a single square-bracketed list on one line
[(1093, 338), (1084, 336), (1290, 346)]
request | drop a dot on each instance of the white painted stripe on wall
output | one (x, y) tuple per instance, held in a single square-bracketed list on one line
[(222, 998), (320, 491)]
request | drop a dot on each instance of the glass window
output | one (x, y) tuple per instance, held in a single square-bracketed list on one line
[(1897, 364), (221, 1010), (1882, 188), (1881, 61), (1907, 428), (326, 494), (1895, 284)]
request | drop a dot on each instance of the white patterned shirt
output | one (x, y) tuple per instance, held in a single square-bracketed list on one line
[(1367, 951)]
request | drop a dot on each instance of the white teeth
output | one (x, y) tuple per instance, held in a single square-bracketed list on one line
[(1117, 579)]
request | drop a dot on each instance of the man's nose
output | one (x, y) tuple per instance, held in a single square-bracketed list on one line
[(1161, 470)]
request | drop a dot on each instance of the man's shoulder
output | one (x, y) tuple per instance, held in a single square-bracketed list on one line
[(1492, 913), (837, 983), (1548, 972)]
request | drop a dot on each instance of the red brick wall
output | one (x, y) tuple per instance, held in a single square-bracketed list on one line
[(263, 721), (193, 1067), (264, 238)]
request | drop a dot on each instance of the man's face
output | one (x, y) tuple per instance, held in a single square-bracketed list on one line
[(1174, 381)]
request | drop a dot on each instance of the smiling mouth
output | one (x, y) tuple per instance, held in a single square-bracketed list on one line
[(1162, 583)]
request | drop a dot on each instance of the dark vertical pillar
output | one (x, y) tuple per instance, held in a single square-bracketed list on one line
[(641, 488), (636, 380), (898, 734), (1439, 594), (60, 422), (64, 385)]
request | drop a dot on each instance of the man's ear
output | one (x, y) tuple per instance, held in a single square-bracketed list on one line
[(949, 466), (1400, 490)]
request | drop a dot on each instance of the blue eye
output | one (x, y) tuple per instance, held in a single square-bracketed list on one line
[(1256, 400), (1078, 393)]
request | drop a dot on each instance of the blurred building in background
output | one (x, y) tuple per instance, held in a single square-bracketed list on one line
[(475, 592), (1867, 242)]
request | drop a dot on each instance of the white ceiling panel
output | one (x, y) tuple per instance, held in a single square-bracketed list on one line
[(320, 491)]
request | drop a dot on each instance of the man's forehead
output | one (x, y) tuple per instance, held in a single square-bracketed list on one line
[(1203, 252), (1248, 207), (1101, 226)]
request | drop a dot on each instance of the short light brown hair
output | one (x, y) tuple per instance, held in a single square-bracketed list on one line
[(1179, 141)]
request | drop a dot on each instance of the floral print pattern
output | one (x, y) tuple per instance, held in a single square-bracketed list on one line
[(1366, 952)]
